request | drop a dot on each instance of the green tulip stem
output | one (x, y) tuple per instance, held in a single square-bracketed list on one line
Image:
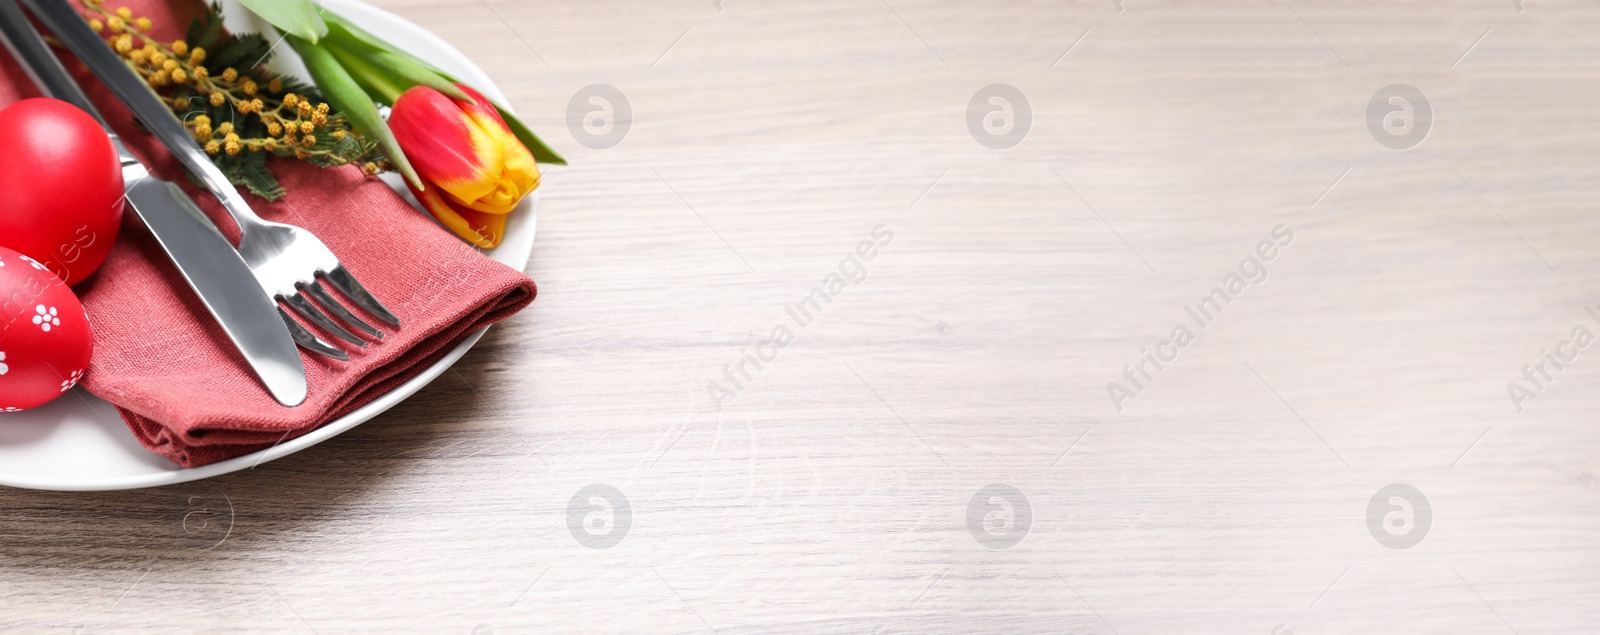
[(344, 34), (347, 96), (380, 86)]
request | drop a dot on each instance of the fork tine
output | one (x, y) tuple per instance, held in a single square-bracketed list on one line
[(309, 311), (322, 297), (308, 341), (346, 283)]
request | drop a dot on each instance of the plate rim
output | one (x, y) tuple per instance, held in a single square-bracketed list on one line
[(356, 417)]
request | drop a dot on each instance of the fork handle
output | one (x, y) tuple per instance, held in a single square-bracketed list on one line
[(74, 32)]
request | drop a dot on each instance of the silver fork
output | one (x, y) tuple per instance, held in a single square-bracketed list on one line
[(287, 261)]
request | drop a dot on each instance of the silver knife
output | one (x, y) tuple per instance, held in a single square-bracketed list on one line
[(205, 258)]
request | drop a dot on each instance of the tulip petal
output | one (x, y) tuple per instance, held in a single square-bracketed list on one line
[(463, 150), (519, 173), (483, 206), (482, 230), (448, 148)]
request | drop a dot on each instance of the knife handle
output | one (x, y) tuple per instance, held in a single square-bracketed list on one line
[(42, 66), (74, 32)]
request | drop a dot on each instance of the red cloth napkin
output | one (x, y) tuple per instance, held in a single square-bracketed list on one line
[(159, 356)]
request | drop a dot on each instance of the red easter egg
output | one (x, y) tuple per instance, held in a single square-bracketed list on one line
[(60, 187), (45, 341)]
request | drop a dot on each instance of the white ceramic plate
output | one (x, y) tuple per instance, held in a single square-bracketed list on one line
[(78, 442)]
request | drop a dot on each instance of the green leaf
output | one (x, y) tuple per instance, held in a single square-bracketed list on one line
[(418, 74), (249, 48), (381, 69), (250, 170), (204, 31), (351, 149), (347, 97), (542, 152), (299, 18), (353, 32), (381, 86)]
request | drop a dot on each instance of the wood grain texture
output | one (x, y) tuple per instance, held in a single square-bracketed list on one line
[(830, 495)]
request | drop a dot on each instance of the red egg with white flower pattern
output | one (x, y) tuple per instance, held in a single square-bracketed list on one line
[(45, 340)]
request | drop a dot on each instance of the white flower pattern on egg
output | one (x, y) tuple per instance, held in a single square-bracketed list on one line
[(35, 263), (10, 409), (3, 367), (46, 318), (68, 383)]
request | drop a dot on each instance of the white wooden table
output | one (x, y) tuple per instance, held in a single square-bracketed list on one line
[(831, 492)]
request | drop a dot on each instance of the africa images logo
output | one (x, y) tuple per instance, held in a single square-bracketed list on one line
[(851, 271), (1252, 271)]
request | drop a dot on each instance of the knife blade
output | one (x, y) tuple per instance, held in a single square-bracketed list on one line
[(207, 261)]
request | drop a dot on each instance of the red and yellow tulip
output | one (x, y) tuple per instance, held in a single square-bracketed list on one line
[(473, 166)]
